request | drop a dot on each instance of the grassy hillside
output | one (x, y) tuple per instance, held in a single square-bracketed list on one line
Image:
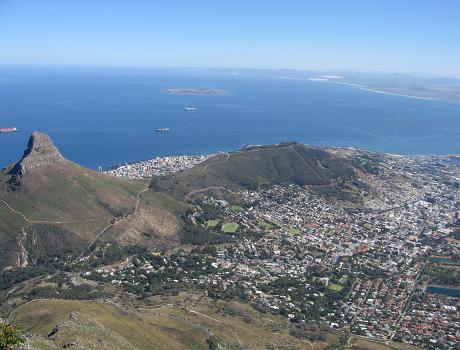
[(56, 206), (166, 325), (92, 325), (282, 164), (186, 321), (157, 216)]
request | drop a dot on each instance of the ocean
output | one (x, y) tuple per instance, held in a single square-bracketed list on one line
[(104, 116)]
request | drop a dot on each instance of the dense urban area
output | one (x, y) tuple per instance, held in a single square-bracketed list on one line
[(385, 268), (158, 166)]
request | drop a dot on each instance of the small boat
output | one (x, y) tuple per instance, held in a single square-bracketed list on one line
[(162, 129), (190, 109), (7, 130)]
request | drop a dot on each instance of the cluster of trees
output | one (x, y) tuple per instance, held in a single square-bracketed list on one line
[(199, 234), (443, 275), (209, 212), (10, 336), (302, 290), (167, 274), (310, 331), (83, 292), (213, 342), (236, 292), (9, 278), (112, 253)]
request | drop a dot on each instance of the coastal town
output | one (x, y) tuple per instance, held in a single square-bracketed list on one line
[(158, 166), (385, 268), (230, 175)]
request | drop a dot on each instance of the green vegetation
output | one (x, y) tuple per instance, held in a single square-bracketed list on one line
[(282, 164), (197, 235), (8, 278), (448, 275), (294, 230), (265, 225), (213, 343), (200, 234), (230, 227), (336, 287), (96, 325), (10, 337), (83, 292), (212, 223), (236, 208), (72, 204)]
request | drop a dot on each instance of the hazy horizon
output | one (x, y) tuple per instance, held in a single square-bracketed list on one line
[(414, 74), (411, 37)]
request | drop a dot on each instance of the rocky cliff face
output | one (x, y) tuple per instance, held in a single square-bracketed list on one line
[(40, 152)]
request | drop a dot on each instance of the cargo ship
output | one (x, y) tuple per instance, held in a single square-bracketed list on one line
[(162, 129), (7, 130), (190, 109)]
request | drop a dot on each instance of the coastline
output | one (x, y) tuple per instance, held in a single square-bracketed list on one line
[(334, 80), (396, 94)]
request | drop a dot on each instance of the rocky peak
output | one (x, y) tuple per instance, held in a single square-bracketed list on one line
[(40, 152)]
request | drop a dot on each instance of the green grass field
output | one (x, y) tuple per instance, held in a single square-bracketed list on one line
[(294, 230), (212, 223), (336, 287), (237, 208), (230, 227), (265, 225)]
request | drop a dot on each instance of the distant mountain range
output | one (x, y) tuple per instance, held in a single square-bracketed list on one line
[(423, 86)]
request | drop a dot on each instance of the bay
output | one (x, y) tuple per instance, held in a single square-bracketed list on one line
[(103, 116)]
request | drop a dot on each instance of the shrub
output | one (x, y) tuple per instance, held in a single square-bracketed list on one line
[(10, 336)]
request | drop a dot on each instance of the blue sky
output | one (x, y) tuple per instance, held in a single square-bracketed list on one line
[(367, 35)]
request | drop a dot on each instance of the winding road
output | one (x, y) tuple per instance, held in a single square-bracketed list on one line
[(107, 227)]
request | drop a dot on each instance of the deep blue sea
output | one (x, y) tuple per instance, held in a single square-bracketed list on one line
[(107, 116)]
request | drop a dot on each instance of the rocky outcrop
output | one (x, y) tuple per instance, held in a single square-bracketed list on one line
[(81, 332), (40, 152)]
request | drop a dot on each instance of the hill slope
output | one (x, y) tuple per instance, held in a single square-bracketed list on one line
[(49, 205), (283, 164), (182, 322)]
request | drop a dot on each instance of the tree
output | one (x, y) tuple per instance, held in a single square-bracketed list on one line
[(10, 337), (213, 343)]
